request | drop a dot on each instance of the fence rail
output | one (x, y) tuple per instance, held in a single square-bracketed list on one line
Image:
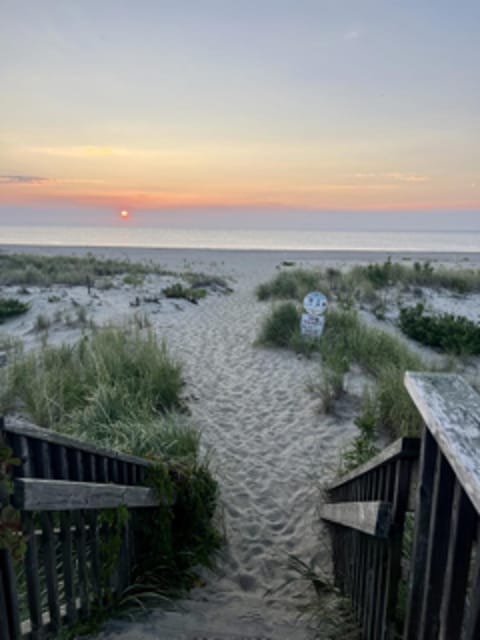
[(412, 566), (61, 487)]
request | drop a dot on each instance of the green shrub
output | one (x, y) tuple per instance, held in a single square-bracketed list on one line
[(363, 447), (331, 388), (42, 322), (281, 326), (292, 285), (177, 290), (11, 307), (96, 385), (23, 269), (447, 332)]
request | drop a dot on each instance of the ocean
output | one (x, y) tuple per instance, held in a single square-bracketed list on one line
[(259, 239)]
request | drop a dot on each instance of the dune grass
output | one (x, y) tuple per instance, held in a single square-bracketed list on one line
[(120, 388), (347, 340), (29, 269), (11, 307), (178, 291), (91, 389), (292, 285), (365, 283)]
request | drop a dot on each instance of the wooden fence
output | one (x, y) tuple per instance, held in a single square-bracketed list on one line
[(405, 525), (59, 487)]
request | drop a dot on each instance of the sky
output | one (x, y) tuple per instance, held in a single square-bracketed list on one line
[(301, 113)]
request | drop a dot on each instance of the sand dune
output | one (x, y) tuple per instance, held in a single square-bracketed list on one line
[(270, 446)]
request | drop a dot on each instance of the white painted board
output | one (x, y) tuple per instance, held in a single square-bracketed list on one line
[(311, 325)]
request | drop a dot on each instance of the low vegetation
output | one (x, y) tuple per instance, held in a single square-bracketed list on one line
[(120, 388), (11, 307), (178, 291), (293, 284), (280, 327), (346, 341), (446, 332), (94, 386), (28, 269), (364, 283)]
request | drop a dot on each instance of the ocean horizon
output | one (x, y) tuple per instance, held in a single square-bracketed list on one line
[(243, 239)]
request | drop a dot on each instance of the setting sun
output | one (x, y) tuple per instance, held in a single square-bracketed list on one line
[(124, 214)]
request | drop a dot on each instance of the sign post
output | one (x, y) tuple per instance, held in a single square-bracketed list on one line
[(313, 320)]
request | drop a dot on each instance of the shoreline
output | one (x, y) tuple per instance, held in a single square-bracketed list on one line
[(299, 254)]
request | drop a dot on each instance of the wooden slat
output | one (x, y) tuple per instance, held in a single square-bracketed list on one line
[(394, 556), (32, 577), (10, 595), (458, 565), (81, 539), (418, 563), (50, 563), (451, 410), (67, 563), (386, 493), (472, 627), (373, 518), (62, 495), (401, 448), (94, 551), (439, 530), (24, 428)]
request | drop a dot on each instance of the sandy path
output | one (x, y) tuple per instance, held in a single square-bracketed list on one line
[(270, 446)]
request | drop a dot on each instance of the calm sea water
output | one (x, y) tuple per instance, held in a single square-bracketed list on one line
[(243, 239)]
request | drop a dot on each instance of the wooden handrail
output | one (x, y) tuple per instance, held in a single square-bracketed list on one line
[(26, 429), (451, 411), (401, 449)]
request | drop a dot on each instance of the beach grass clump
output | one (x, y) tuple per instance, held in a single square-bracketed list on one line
[(292, 285), (28, 269), (90, 388), (281, 327), (11, 307), (447, 332), (419, 274), (178, 291), (42, 323), (347, 340), (206, 281)]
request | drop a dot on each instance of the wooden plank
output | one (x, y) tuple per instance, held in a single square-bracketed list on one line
[(394, 554), (401, 448), (50, 564), (67, 563), (32, 577), (94, 552), (472, 627), (439, 538), (373, 518), (32, 494), (418, 563), (10, 594), (451, 411), (458, 565), (83, 582), (24, 428)]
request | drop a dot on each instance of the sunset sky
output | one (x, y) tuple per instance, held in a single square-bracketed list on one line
[(191, 111)]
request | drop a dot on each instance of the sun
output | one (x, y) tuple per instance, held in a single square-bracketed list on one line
[(124, 215)]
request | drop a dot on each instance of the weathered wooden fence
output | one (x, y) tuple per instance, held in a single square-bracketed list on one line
[(405, 525), (60, 487)]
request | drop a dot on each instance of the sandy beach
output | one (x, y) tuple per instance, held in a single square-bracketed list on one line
[(271, 447)]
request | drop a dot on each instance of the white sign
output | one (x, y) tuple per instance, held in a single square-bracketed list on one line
[(315, 303), (311, 325)]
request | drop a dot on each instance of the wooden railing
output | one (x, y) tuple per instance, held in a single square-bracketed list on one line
[(405, 525), (60, 487)]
